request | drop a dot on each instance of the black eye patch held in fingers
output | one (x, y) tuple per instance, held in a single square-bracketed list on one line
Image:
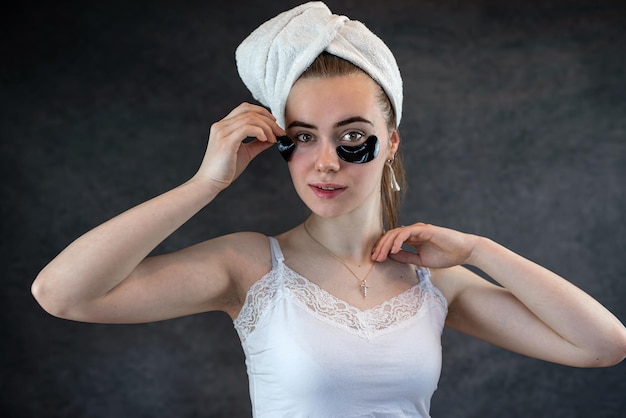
[(358, 154), (285, 146)]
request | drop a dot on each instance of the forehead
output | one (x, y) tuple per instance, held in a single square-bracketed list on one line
[(332, 98)]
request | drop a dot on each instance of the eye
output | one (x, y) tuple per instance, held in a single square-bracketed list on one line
[(352, 136), (303, 137)]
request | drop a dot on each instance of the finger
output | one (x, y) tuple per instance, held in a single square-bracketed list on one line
[(377, 251), (229, 138), (392, 241), (399, 240), (263, 121), (383, 245), (249, 107), (231, 133), (254, 148), (407, 257), (413, 235)]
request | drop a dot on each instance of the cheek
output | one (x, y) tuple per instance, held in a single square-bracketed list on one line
[(297, 168), (376, 178), (367, 176)]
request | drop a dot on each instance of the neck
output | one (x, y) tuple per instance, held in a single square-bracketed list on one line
[(350, 239)]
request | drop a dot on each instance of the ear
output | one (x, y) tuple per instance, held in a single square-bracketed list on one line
[(394, 144)]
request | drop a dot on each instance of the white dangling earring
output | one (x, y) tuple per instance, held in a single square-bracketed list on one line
[(393, 183)]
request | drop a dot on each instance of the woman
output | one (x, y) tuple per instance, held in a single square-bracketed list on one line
[(335, 317)]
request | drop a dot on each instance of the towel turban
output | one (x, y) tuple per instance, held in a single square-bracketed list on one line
[(275, 54)]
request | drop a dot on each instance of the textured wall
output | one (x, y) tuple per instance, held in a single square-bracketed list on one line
[(514, 128)]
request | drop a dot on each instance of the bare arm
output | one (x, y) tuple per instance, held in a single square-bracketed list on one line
[(104, 276), (535, 312)]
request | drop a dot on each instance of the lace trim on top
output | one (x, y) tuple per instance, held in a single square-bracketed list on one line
[(387, 316), (260, 297), (380, 319)]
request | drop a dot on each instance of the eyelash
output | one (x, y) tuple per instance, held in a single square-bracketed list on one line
[(299, 137), (359, 135)]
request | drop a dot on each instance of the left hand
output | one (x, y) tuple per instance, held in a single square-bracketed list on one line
[(436, 247)]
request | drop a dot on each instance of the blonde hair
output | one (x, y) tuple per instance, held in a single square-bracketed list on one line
[(328, 65)]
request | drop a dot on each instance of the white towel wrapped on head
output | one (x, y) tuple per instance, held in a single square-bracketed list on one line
[(274, 55)]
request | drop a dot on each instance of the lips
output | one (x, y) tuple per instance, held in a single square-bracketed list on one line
[(326, 190)]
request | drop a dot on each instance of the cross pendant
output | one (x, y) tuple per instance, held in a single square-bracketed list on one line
[(364, 287)]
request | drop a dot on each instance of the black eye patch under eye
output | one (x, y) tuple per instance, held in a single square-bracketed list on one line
[(358, 154), (286, 146)]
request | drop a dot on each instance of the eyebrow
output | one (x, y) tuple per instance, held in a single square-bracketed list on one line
[(353, 119)]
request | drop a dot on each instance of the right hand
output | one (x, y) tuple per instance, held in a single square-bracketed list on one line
[(435, 247), (227, 156)]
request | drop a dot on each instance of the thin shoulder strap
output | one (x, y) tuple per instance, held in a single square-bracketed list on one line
[(277, 254), (423, 274)]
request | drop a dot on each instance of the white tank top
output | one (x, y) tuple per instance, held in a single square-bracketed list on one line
[(310, 354)]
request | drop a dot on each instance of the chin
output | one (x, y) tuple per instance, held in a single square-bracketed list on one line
[(327, 212), (327, 209)]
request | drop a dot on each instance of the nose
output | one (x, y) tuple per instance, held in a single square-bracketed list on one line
[(327, 158)]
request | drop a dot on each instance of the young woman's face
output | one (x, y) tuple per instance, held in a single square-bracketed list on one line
[(322, 114)]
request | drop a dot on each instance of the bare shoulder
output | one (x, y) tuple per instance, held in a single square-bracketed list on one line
[(251, 244), (469, 296), (453, 281), (248, 256), (224, 267), (443, 280)]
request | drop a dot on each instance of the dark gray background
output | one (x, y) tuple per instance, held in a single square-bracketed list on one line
[(514, 128)]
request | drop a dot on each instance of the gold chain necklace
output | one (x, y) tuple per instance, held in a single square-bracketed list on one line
[(362, 281)]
